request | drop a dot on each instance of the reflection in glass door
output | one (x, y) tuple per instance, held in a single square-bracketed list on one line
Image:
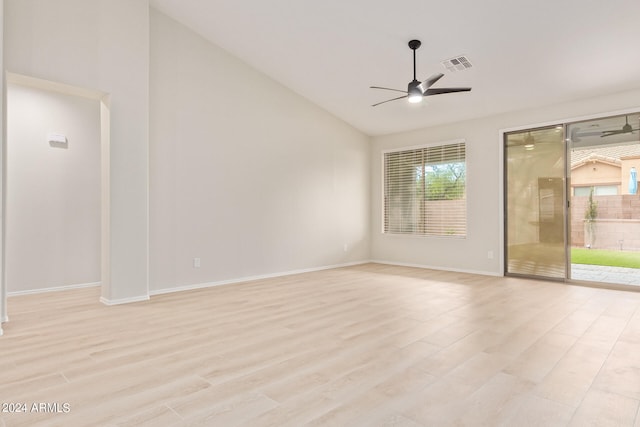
[(535, 203)]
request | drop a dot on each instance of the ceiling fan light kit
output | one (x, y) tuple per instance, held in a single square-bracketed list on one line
[(414, 92), (417, 90)]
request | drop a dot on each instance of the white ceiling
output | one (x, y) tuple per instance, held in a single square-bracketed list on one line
[(525, 53)]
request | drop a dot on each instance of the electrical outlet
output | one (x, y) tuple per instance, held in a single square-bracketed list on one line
[(490, 255), (345, 247), (196, 263)]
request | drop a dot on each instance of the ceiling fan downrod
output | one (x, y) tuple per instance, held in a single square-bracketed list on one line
[(413, 45)]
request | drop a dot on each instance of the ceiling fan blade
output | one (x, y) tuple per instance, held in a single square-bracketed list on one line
[(389, 100), (440, 91), (430, 81), (386, 88), (577, 134), (616, 132), (611, 133)]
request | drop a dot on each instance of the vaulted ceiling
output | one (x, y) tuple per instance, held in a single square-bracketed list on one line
[(524, 53)]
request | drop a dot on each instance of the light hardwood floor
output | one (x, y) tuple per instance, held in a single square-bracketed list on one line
[(369, 345)]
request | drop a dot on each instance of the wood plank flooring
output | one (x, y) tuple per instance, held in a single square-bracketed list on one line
[(369, 345)]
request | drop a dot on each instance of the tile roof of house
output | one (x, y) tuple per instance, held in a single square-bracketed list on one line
[(612, 154)]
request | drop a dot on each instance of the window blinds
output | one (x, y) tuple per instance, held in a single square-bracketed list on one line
[(425, 191)]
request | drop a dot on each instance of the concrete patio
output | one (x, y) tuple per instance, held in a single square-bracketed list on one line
[(599, 273)]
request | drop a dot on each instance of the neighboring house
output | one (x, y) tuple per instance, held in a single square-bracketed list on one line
[(605, 169)]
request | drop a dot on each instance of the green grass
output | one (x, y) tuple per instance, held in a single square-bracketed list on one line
[(605, 257)]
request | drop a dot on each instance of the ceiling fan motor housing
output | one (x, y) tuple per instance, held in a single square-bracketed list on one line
[(413, 87), (414, 44)]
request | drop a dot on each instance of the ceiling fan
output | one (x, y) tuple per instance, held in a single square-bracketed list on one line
[(627, 128), (417, 90)]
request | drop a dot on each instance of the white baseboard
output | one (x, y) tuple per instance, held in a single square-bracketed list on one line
[(431, 267), (251, 278), (111, 302), (55, 289)]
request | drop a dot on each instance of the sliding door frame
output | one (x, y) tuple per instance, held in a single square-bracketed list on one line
[(502, 180)]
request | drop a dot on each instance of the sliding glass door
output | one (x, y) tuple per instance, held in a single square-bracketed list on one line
[(571, 203), (604, 225), (535, 200)]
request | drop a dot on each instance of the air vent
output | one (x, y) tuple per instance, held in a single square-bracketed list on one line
[(457, 63)]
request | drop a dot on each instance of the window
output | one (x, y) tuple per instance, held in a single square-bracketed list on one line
[(598, 190), (425, 191)]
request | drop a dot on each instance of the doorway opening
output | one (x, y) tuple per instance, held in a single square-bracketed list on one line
[(55, 187)]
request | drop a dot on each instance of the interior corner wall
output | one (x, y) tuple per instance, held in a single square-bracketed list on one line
[(101, 45), (245, 175), (53, 190), (484, 185)]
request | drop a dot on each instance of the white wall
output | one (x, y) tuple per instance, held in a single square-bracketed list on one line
[(3, 286), (245, 175), (53, 190), (484, 185), (101, 45)]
